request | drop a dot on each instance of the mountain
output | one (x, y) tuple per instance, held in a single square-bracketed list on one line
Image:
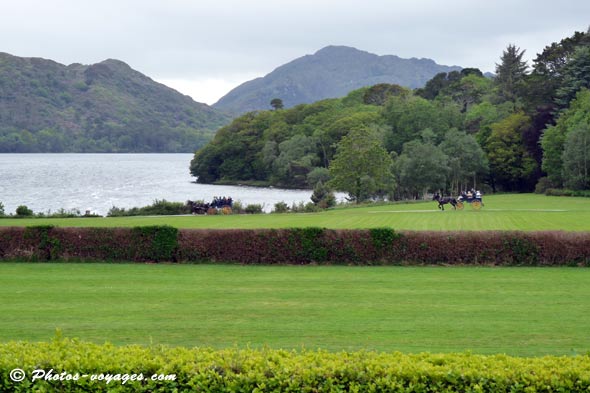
[(331, 72), (105, 107)]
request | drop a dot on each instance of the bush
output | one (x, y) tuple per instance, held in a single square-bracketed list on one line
[(322, 196), (566, 192), (23, 211), (281, 207), (296, 246), (543, 185), (157, 208), (237, 207), (253, 208), (158, 243), (272, 370), (2, 213), (61, 213)]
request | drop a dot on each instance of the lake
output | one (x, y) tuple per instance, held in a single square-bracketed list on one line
[(97, 182)]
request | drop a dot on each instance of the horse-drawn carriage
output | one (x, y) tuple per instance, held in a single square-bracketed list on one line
[(223, 205), (472, 197)]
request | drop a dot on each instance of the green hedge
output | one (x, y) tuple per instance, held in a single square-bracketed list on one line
[(248, 370), (378, 246)]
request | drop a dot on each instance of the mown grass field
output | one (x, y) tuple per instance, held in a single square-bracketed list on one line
[(527, 212), (518, 311)]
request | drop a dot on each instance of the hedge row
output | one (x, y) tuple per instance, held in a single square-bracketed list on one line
[(380, 246), (235, 370)]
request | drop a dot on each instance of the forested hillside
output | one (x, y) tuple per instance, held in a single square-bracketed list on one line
[(528, 127), (331, 72), (106, 107)]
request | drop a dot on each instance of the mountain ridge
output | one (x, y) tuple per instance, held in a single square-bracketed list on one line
[(46, 106), (331, 72)]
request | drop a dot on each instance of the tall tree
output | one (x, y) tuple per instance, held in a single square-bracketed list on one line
[(466, 159), (576, 158), (277, 103), (554, 137), (510, 73), (548, 69), (422, 167), (362, 166), (511, 165), (576, 76)]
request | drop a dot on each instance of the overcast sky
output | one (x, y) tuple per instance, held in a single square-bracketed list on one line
[(205, 48)]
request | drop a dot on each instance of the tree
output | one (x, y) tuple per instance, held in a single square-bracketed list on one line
[(276, 103), (554, 137), (297, 157), (23, 211), (576, 158), (466, 159), (361, 166), (510, 73), (322, 196), (421, 167), (548, 69), (576, 76), (510, 163), (408, 116)]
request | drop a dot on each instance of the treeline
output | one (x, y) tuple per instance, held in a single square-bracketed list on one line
[(104, 139), (527, 127)]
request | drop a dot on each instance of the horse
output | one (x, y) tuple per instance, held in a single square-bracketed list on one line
[(197, 207), (443, 201)]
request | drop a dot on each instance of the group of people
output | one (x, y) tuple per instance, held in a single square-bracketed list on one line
[(470, 194), (200, 207), (219, 202)]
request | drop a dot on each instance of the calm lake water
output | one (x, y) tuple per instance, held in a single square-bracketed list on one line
[(97, 182)]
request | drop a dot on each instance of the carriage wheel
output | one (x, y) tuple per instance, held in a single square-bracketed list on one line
[(476, 205), (460, 205)]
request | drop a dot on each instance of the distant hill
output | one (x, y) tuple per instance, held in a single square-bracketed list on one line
[(106, 107), (331, 72)]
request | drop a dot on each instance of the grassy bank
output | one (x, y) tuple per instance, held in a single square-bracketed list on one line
[(518, 311), (525, 212)]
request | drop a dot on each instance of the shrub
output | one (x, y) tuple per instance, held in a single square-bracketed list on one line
[(307, 243), (322, 196), (157, 208), (383, 237), (272, 370), (2, 213), (253, 208), (45, 246), (543, 185), (281, 207), (296, 246), (158, 243), (237, 207), (566, 192), (23, 211)]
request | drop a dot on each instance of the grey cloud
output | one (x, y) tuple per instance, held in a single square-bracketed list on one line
[(190, 39)]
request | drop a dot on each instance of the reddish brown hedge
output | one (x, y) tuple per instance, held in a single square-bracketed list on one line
[(380, 246)]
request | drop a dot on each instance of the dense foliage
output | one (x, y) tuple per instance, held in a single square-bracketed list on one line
[(461, 130), (382, 246), (104, 107), (249, 370)]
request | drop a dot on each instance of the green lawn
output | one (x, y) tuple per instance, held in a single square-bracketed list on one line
[(501, 212), (518, 311)]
